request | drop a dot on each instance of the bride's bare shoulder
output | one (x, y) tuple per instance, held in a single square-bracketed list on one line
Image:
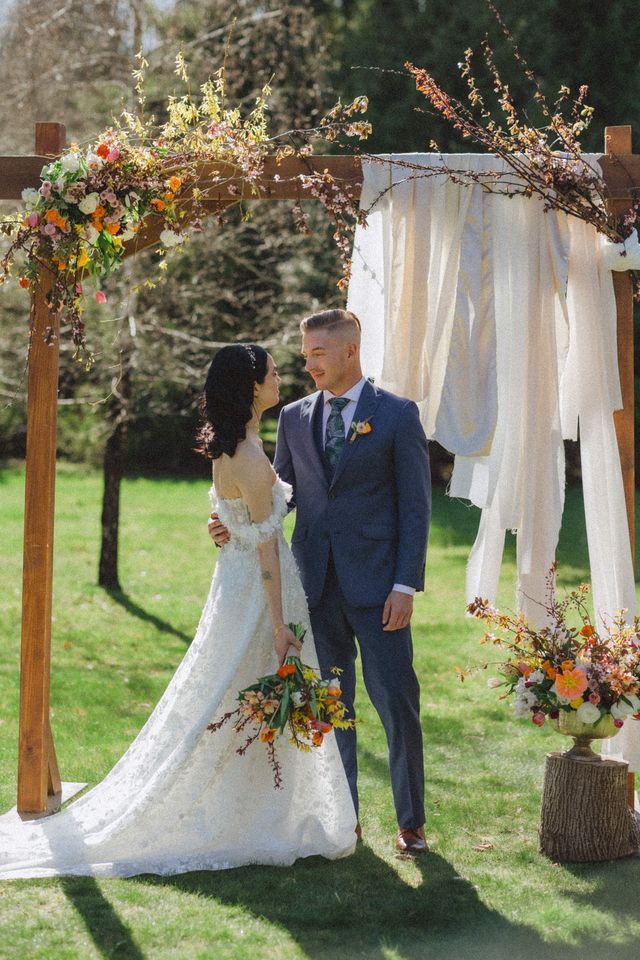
[(247, 468)]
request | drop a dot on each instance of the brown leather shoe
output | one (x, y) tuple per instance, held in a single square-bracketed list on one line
[(411, 843)]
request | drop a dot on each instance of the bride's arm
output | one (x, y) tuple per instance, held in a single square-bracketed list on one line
[(255, 482)]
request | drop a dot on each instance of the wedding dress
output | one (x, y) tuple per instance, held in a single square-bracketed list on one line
[(181, 798)]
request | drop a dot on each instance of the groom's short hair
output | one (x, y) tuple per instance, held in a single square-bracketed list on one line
[(335, 321)]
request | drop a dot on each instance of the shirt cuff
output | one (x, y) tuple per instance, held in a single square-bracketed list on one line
[(400, 587)]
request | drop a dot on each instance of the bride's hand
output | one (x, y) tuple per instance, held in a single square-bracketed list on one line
[(283, 639)]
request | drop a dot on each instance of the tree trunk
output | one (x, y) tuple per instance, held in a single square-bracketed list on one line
[(584, 816), (115, 458)]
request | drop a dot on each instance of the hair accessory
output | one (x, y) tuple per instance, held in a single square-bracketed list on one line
[(252, 357)]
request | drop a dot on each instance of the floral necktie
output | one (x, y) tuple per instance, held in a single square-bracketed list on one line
[(334, 434)]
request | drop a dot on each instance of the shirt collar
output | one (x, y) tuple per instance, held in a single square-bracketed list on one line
[(352, 394)]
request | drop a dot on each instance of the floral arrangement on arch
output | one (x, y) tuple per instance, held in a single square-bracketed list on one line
[(92, 201), (538, 142), (296, 700), (563, 667)]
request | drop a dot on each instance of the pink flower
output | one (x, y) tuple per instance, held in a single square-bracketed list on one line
[(594, 698), (538, 718), (618, 723), (79, 288), (100, 296), (50, 229), (45, 189), (33, 220), (113, 154)]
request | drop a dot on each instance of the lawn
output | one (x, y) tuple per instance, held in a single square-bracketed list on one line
[(482, 892)]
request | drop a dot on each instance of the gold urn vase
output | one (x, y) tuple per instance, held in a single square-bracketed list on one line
[(568, 724)]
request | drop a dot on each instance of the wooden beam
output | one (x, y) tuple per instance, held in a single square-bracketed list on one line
[(617, 141), (37, 766)]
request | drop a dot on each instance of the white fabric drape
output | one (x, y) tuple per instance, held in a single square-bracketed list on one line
[(499, 320)]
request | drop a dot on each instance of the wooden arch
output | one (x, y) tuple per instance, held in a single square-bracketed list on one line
[(39, 785)]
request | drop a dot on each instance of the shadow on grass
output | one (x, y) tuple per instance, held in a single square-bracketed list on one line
[(119, 596), (110, 935), (362, 908)]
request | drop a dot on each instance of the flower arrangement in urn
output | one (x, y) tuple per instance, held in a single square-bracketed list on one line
[(575, 675)]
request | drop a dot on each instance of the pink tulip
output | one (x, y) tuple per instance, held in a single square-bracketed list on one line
[(100, 296)]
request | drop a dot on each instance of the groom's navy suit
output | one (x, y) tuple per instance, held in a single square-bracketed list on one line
[(360, 529)]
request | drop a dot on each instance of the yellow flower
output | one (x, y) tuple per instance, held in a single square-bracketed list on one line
[(576, 703), (83, 258)]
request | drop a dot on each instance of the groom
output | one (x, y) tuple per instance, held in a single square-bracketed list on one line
[(357, 460)]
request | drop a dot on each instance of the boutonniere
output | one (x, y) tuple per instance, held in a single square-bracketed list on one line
[(359, 428)]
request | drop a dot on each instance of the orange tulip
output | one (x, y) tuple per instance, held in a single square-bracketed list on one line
[(158, 204), (51, 216), (317, 739), (168, 195), (99, 212), (175, 183), (113, 228), (103, 151), (286, 670)]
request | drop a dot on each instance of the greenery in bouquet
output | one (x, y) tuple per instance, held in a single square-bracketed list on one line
[(93, 200), (294, 700), (563, 666)]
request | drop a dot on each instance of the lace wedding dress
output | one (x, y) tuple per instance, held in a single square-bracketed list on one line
[(180, 798)]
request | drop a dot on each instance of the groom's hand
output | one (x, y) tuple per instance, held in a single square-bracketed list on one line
[(217, 531), (397, 610)]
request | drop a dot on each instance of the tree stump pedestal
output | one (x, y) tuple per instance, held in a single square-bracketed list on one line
[(584, 815)]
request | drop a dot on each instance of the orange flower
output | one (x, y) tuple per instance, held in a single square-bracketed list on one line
[(286, 669), (24, 283), (549, 670), (97, 225), (571, 684), (587, 631), (568, 664), (98, 212), (103, 151), (51, 216), (175, 183), (317, 739), (158, 205), (113, 228), (267, 735), (168, 195)]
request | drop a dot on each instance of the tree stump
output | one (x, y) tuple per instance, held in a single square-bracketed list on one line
[(584, 815)]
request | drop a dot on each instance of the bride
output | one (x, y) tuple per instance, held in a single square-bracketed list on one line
[(180, 798)]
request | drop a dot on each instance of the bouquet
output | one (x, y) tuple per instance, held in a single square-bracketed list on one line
[(295, 699), (561, 667)]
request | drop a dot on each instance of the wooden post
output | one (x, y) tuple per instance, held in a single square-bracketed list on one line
[(617, 141), (37, 766)]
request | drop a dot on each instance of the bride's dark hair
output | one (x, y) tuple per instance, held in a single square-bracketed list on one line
[(227, 402)]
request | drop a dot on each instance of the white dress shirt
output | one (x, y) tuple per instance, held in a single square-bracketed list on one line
[(348, 411)]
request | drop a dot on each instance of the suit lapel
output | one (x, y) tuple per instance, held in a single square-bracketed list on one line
[(365, 409), (311, 417)]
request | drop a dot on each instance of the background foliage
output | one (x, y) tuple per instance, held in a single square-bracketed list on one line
[(253, 280)]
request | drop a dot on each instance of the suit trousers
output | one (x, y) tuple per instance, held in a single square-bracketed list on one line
[(390, 680)]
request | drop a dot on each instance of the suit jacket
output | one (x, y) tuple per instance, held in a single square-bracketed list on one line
[(373, 514)]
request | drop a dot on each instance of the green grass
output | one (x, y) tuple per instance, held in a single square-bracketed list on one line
[(113, 656)]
